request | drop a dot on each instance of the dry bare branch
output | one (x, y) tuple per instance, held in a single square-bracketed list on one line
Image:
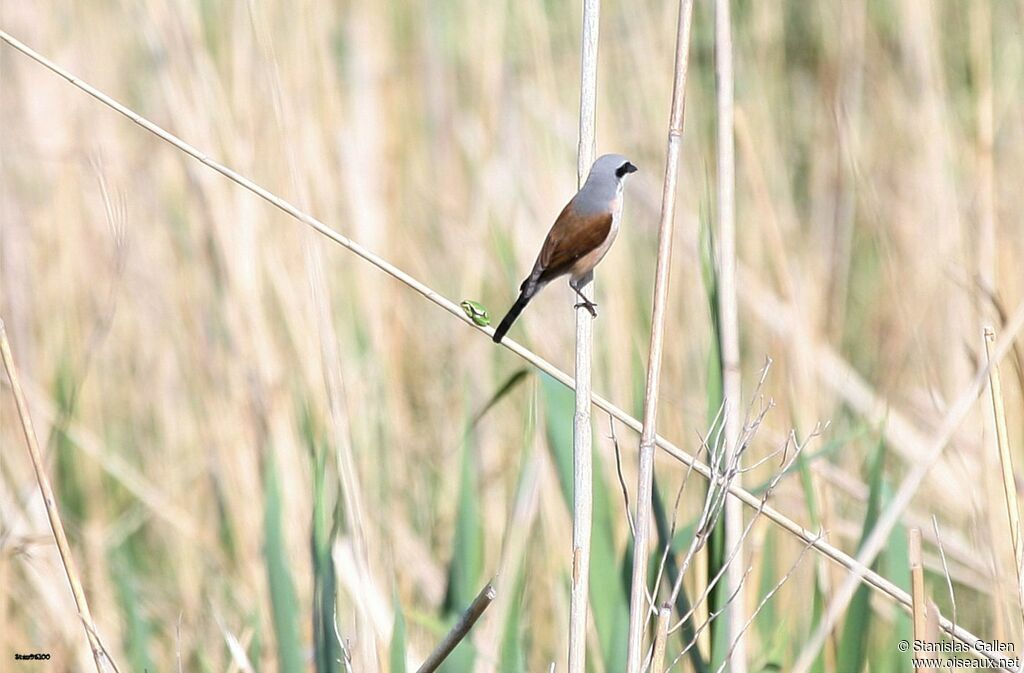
[(460, 630), (767, 597), (622, 479)]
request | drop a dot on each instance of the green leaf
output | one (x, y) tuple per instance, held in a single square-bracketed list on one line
[(504, 389), (894, 563), (327, 650), (139, 630), (716, 551), (853, 645), (466, 567), (467, 560), (512, 657), (71, 491), (282, 588), (608, 594), (397, 651)]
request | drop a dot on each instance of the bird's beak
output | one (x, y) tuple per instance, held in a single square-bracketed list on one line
[(630, 168)]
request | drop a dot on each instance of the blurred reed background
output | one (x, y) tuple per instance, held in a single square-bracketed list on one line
[(244, 421)]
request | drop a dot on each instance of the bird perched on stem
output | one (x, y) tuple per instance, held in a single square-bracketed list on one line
[(579, 238)]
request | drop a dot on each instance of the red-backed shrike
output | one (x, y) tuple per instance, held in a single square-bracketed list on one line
[(579, 238)]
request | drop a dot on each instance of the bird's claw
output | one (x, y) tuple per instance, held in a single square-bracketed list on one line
[(590, 306)]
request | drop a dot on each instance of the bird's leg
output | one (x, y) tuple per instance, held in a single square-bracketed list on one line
[(586, 303)]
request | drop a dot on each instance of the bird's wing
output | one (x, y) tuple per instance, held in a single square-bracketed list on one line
[(571, 237)]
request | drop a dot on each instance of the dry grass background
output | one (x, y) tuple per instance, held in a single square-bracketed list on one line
[(181, 340)]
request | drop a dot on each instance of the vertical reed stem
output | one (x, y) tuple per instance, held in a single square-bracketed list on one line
[(1006, 463), (920, 600), (582, 503), (638, 609), (732, 617)]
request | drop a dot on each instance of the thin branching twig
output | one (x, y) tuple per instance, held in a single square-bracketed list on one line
[(622, 480), (745, 532), (764, 601), (712, 616)]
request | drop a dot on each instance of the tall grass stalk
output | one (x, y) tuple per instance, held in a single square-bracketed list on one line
[(995, 387), (917, 585), (582, 442), (639, 610), (99, 655), (733, 617)]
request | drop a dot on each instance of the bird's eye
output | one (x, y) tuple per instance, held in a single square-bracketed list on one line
[(624, 169)]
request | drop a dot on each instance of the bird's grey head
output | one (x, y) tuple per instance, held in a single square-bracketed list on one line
[(612, 165), (606, 177)]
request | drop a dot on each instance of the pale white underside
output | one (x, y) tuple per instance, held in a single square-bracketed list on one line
[(587, 262)]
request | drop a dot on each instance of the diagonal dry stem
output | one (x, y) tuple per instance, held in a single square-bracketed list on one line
[(460, 630), (50, 503)]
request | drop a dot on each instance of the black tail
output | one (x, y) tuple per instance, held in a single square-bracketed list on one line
[(513, 313)]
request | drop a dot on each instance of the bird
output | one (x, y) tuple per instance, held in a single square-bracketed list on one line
[(579, 238)]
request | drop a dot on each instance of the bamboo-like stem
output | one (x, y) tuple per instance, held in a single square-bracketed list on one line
[(995, 387), (460, 630), (888, 520), (664, 616), (917, 590), (859, 573), (638, 609), (732, 618), (582, 442), (50, 502)]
